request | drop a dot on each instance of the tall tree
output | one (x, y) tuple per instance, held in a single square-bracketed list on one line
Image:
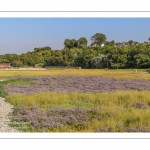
[(98, 38), (82, 42), (111, 43), (130, 42), (42, 49), (70, 43), (97, 62)]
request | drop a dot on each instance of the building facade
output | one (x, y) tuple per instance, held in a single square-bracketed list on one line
[(5, 65)]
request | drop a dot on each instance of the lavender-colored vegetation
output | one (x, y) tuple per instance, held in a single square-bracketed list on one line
[(77, 84), (140, 105), (60, 117), (52, 118)]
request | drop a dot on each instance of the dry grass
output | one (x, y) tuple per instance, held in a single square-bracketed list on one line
[(105, 99), (117, 74), (115, 109)]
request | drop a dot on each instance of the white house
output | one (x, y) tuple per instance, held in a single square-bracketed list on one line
[(94, 44)]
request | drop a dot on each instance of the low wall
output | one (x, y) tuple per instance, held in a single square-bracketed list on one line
[(24, 69)]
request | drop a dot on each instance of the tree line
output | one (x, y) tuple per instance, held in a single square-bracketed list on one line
[(76, 53)]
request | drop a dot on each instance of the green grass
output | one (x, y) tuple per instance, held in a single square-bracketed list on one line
[(114, 109), (108, 99), (17, 81), (49, 100)]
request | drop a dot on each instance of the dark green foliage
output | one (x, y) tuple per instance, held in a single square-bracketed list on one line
[(76, 53), (111, 43), (82, 42), (41, 49), (98, 38), (133, 56), (130, 42), (70, 43)]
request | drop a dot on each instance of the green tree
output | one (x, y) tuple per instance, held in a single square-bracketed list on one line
[(118, 57), (4, 61), (70, 56), (84, 59), (97, 62), (70, 43), (37, 57), (56, 58), (46, 56), (8, 57), (107, 43), (17, 63), (130, 42), (142, 61), (24, 58), (98, 38), (82, 42), (30, 59), (111, 43), (42, 49)]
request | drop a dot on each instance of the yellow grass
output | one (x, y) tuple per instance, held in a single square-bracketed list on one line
[(117, 73), (114, 105), (114, 108), (108, 99)]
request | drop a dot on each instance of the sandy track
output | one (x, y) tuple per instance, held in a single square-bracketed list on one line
[(5, 109), (12, 69)]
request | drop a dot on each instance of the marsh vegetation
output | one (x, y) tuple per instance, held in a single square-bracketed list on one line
[(79, 100)]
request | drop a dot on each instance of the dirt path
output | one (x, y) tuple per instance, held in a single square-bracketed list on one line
[(5, 109)]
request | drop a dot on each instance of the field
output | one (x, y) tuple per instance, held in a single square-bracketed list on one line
[(116, 73), (72, 100)]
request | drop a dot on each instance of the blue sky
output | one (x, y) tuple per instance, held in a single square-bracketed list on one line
[(20, 35)]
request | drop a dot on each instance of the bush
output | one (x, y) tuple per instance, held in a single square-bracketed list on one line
[(148, 70)]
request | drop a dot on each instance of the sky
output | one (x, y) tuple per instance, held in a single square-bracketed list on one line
[(20, 35)]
